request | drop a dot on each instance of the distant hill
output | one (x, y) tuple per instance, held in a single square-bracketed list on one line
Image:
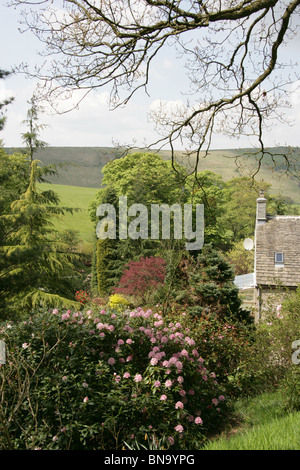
[(84, 165)]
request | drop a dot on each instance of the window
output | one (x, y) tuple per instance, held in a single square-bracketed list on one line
[(279, 258)]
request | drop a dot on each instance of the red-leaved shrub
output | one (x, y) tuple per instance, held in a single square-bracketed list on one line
[(141, 276)]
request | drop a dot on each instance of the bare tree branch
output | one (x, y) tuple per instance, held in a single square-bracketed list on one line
[(231, 50)]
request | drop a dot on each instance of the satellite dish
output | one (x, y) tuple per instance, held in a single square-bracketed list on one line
[(248, 244)]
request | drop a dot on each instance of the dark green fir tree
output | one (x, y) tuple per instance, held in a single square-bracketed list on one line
[(36, 268)]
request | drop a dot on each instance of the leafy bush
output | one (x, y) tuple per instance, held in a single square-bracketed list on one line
[(204, 283), (290, 389), (225, 345), (118, 302), (82, 296), (100, 380), (269, 361), (140, 277)]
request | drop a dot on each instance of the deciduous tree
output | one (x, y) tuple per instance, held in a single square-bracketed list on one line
[(235, 81)]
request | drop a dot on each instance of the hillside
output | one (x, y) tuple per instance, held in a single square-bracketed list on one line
[(84, 165)]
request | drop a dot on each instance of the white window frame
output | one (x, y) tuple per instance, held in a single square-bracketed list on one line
[(279, 264)]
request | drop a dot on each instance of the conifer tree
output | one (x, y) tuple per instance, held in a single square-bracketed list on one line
[(35, 266), (7, 101)]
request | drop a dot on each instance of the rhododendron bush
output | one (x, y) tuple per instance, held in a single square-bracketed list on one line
[(104, 379)]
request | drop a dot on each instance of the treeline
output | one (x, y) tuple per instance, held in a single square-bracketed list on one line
[(229, 218)]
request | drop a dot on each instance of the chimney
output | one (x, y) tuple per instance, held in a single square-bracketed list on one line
[(261, 208)]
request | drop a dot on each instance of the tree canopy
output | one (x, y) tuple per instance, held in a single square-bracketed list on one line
[(231, 50)]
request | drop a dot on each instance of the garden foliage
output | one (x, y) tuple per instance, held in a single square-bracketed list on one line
[(140, 277), (84, 380)]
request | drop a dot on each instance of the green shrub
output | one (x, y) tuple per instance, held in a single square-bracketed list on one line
[(270, 357), (290, 389), (87, 380), (224, 345), (204, 283)]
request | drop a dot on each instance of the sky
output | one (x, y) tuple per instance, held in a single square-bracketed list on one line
[(93, 124)]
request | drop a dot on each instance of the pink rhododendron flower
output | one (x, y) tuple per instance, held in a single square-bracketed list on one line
[(163, 397), (173, 360), (126, 375), (221, 398), (157, 383), (111, 361), (215, 401), (153, 361), (198, 420), (179, 428), (138, 378), (86, 399), (179, 405), (168, 383)]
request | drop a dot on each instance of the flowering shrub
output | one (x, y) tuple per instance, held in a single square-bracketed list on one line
[(98, 380), (82, 296), (225, 345)]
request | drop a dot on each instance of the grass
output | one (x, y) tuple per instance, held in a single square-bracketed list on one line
[(76, 197), (262, 425)]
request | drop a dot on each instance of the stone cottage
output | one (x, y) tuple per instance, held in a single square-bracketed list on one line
[(277, 253)]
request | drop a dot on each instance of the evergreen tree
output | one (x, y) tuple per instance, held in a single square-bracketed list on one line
[(31, 137), (35, 266), (7, 101), (204, 284)]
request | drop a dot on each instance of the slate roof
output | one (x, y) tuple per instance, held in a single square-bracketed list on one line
[(278, 234), (244, 281)]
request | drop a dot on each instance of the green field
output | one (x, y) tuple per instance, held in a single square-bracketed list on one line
[(75, 197)]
